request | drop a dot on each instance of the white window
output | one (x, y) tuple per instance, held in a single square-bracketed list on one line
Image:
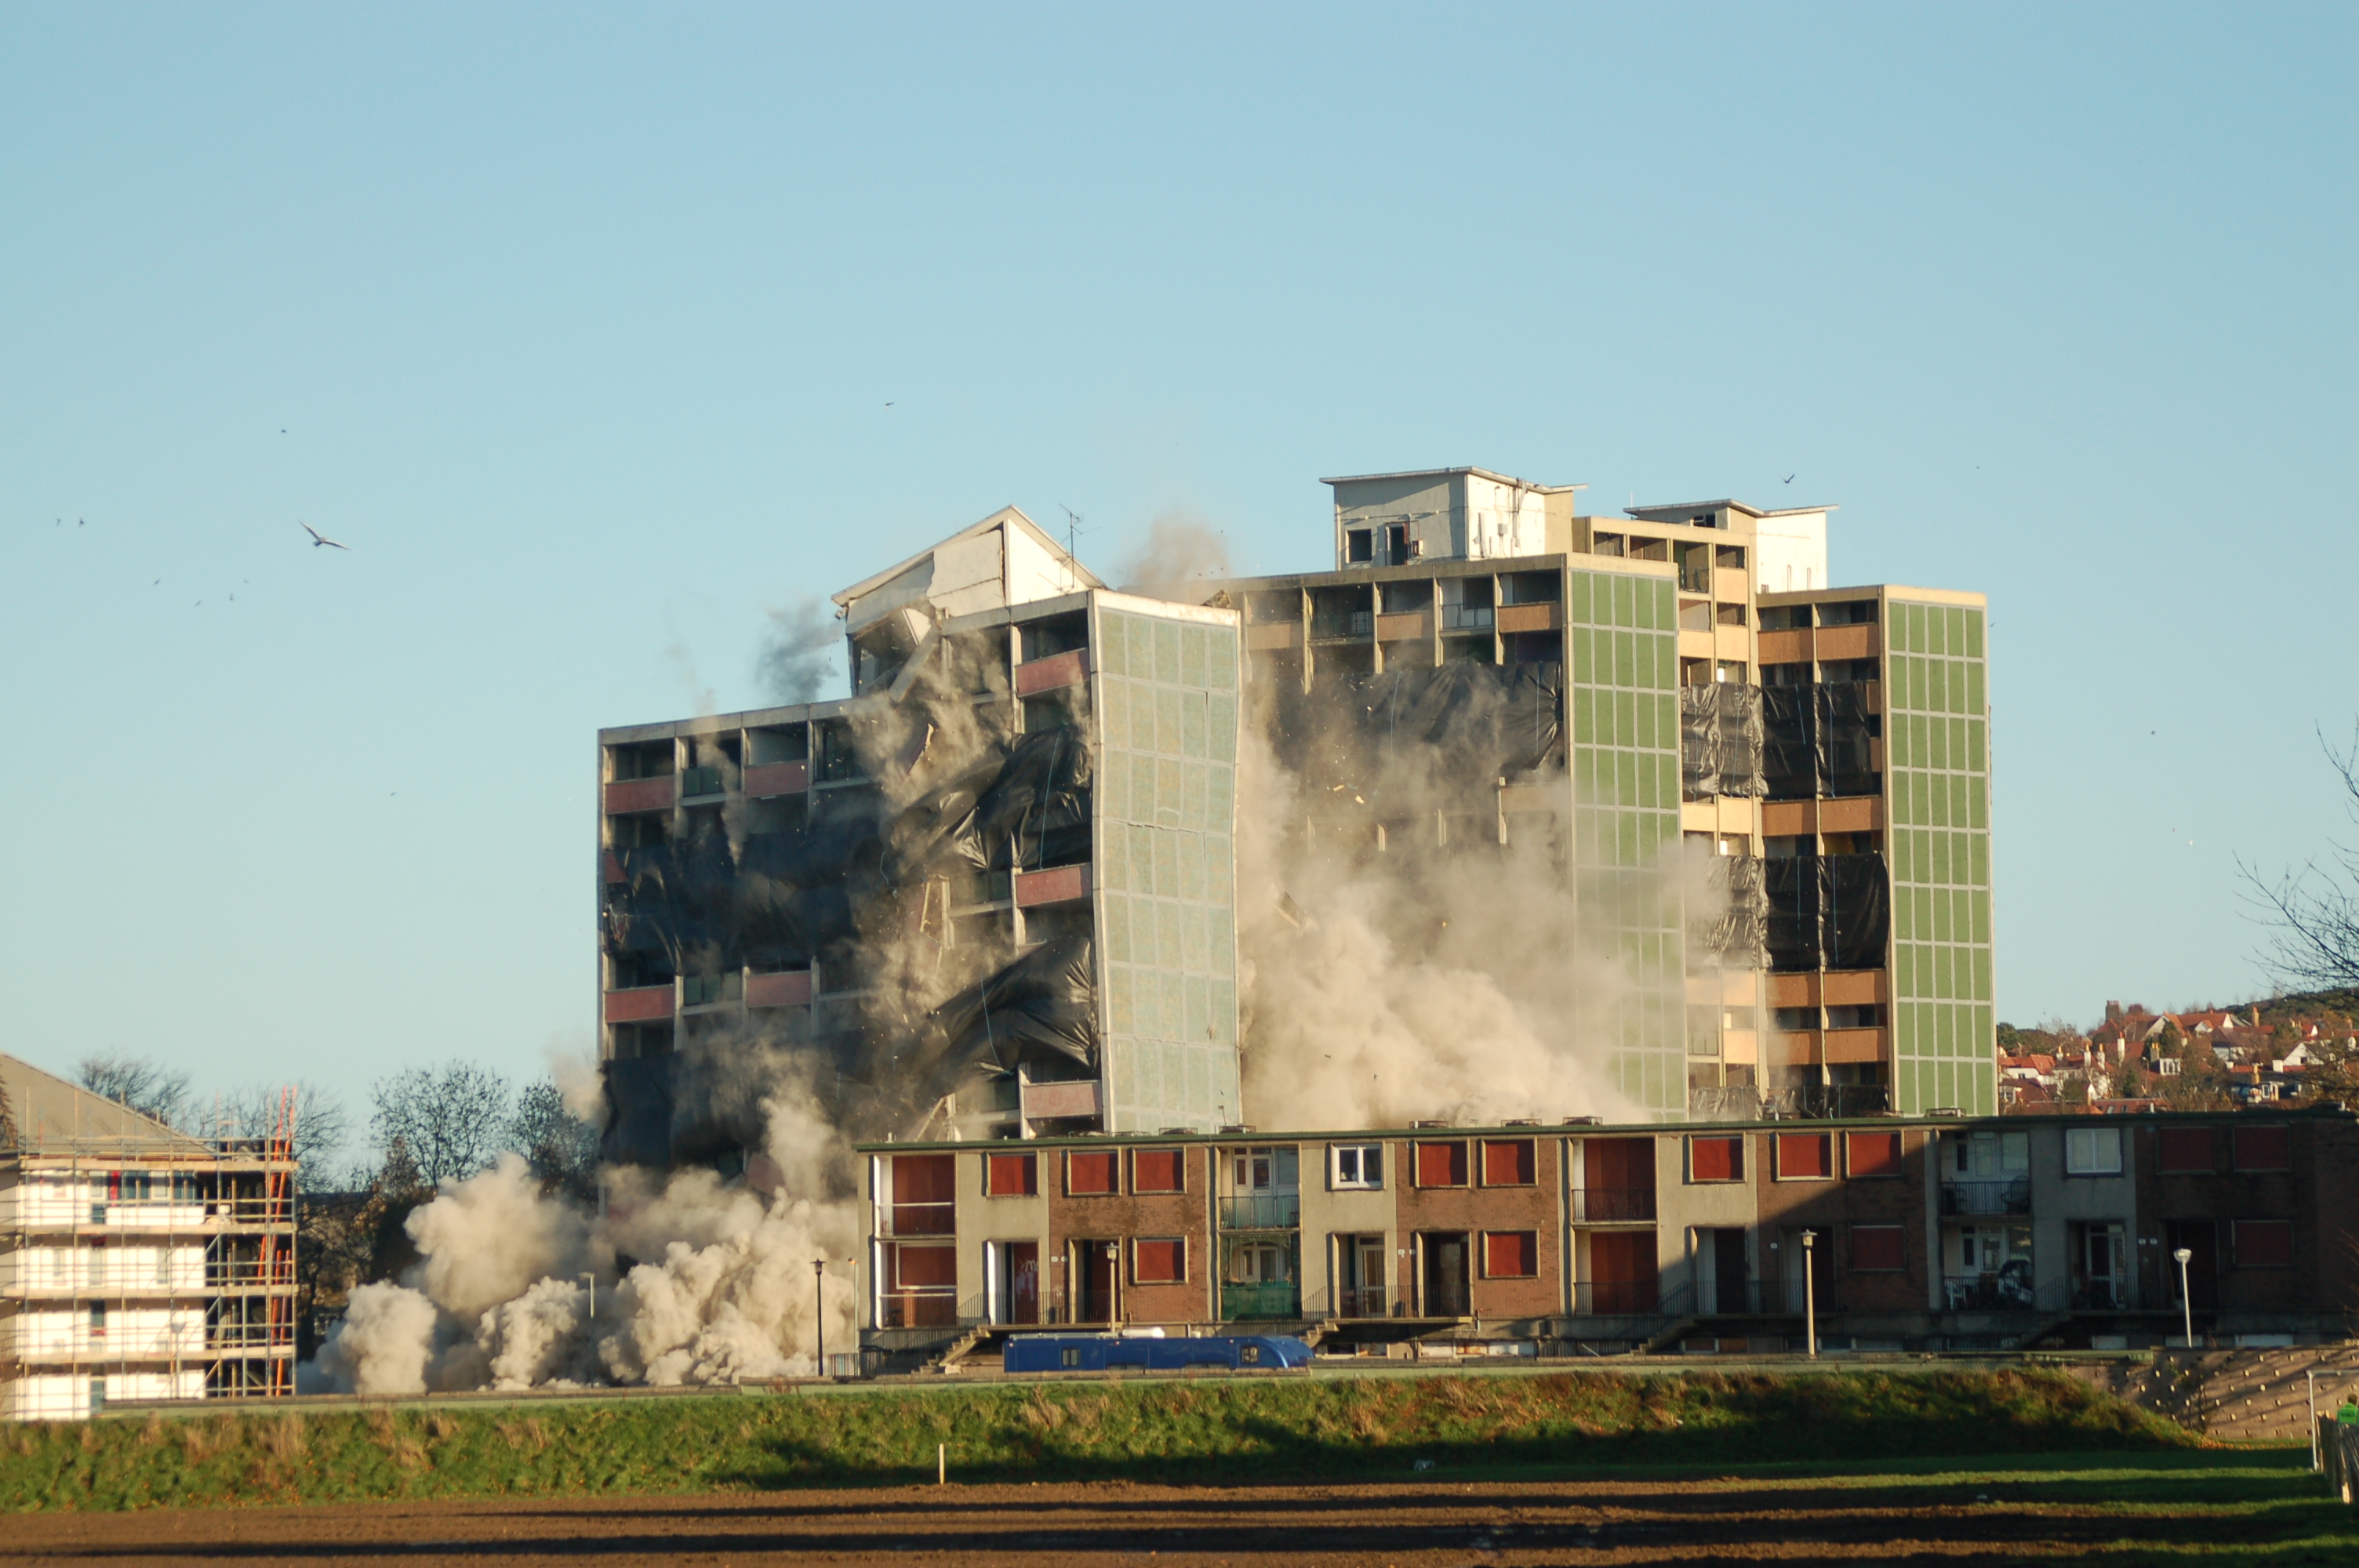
[(1360, 1166), (2092, 1151)]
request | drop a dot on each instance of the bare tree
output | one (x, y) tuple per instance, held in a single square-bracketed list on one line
[(321, 1126), (144, 1086), (562, 1147), (448, 1124), (2315, 910)]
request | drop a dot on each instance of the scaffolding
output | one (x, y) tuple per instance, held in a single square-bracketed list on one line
[(137, 1261)]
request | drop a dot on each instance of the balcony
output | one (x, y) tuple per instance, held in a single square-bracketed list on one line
[(1342, 624), (1361, 1301), (639, 1004), (900, 1219), (1052, 673), (1978, 1200), (1270, 1211), (919, 1306), (1617, 1298), (1613, 1205), (697, 783), (624, 796), (1277, 1299)]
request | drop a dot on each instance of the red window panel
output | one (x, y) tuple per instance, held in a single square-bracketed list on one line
[(1159, 1260), (1868, 1154), (1442, 1165), (1878, 1249), (1157, 1170), (1716, 1159), (1090, 1173), (1805, 1156), (1511, 1254), (916, 1267), (2264, 1148), (1010, 1175), (1508, 1163), (925, 1195), (2187, 1151), (2264, 1243)]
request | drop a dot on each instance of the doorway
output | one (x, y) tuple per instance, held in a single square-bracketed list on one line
[(1722, 1272), (2199, 1237), (1360, 1268), (1093, 1282), (1444, 1256), (1017, 1281)]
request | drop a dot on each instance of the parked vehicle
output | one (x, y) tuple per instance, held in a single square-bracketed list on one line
[(1108, 1352)]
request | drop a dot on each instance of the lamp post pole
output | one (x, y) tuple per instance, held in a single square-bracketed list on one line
[(592, 1280), (1113, 1285), (818, 1312), (2186, 1303), (1811, 1291)]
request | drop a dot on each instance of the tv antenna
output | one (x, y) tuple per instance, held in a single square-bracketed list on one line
[(1073, 530)]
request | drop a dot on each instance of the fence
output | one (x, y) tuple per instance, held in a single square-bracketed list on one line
[(1276, 1211), (1986, 1199)]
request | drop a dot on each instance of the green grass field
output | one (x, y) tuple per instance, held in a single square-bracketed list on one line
[(1247, 1430)]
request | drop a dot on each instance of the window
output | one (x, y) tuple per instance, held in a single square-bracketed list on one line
[(1090, 1174), (1805, 1156), (1716, 1159), (2092, 1151), (1160, 1261), (2187, 1151), (1990, 1156), (1070, 1356), (2264, 1243), (1442, 1165), (1158, 1170), (1511, 1254), (1357, 1165), (1878, 1249), (2264, 1148), (1508, 1163), (1010, 1176), (1359, 545), (1872, 1154)]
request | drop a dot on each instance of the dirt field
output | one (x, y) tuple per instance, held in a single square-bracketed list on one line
[(2262, 1514)]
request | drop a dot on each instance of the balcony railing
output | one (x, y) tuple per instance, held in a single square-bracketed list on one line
[(699, 781), (1268, 1211), (1978, 1199), (1280, 1299), (1361, 1301), (920, 1306), (917, 1219), (1613, 1205), (1617, 1298)]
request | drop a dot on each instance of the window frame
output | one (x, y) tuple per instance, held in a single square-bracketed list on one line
[(2101, 1134), (1178, 1163), (1898, 1231), (1463, 1177), (1777, 1141), (1113, 1173), (1531, 1151), (1180, 1246), (1531, 1237), (1359, 1184), (1734, 1140), (1030, 1159)]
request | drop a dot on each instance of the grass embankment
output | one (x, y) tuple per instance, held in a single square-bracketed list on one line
[(1262, 1430)]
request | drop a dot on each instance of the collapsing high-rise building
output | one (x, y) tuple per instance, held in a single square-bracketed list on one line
[(995, 891)]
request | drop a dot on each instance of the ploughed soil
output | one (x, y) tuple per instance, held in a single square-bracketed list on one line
[(1427, 1520)]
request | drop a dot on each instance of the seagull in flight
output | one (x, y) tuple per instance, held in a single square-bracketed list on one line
[(1789, 477), (319, 538)]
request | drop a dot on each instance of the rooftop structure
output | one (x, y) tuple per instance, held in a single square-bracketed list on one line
[(136, 1262)]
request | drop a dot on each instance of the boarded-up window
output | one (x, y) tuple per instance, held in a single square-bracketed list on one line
[(1442, 1165), (1090, 1174), (2264, 1148), (1159, 1260), (1878, 1249), (1156, 1171), (2187, 1151), (1511, 1254), (920, 1267), (1010, 1175), (2263, 1244), (1716, 1159), (1507, 1162), (1805, 1156), (925, 1195), (1869, 1154)]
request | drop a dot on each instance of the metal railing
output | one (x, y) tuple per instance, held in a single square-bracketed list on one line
[(1267, 1211), (917, 1219), (1617, 1298), (1977, 1199), (1361, 1301), (1611, 1205), (1279, 1299), (920, 1306)]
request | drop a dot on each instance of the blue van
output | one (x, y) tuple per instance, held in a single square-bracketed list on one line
[(1108, 1352)]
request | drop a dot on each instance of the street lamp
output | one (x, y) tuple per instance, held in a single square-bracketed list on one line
[(1811, 1291), (1113, 1285), (2186, 1303), (819, 1311), (592, 1280)]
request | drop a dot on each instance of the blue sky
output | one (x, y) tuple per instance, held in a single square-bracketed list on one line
[(580, 324)]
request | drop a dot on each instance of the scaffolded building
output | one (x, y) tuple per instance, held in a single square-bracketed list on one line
[(136, 1262), (994, 892)]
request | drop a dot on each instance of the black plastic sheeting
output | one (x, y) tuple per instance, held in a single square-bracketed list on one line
[(1479, 722), (1738, 931), (832, 890), (1720, 740), (1815, 741), (1830, 911)]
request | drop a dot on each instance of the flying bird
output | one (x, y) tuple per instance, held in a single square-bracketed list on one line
[(1789, 477), (319, 538)]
